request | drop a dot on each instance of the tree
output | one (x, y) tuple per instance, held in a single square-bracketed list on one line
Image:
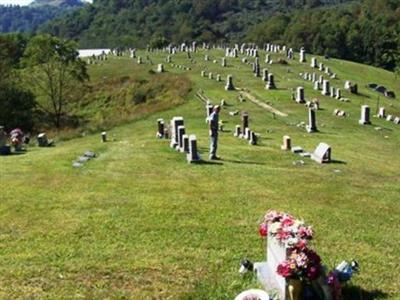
[(54, 73)]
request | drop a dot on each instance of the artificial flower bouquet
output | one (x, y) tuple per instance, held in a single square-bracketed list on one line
[(302, 263)]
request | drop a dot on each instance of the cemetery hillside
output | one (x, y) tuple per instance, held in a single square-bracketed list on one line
[(114, 196)]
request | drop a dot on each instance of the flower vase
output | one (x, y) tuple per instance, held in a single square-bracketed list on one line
[(295, 289)]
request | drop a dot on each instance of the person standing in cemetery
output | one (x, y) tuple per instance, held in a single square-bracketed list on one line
[(213, 121)]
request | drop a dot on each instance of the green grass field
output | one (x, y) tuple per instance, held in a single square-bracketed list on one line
[(138, 222)]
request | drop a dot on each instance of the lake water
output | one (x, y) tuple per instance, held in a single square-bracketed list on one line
[(90, 52)]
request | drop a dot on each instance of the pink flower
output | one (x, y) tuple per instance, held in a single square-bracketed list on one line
[(287, 220), (284, 269)]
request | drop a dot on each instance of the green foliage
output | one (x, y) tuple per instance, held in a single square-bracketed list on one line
[(29, 18), (366, 32), (18, 108), (55, 73)]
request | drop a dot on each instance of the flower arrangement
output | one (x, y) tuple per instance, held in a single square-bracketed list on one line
[(303, 264), (286, 229)]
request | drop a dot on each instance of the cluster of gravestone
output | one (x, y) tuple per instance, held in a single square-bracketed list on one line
[(94, 59), (322, 153), (81, 160), (266, 77), (244, 132), (382, 90), (390, 118), (180, 141), (211, 76)]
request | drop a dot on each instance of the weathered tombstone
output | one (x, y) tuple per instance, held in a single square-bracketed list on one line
[(237, 132), (314, 77), (267, 58), (42, 140), (160, 68), (287, 144), (382, 112), (185, 143), (265, 75), (257, 72), (181, 132), (333, 92), (245, 121), (203, 73), (325, 88), (322, 153), (210, 75), (270, 84), (247, 134), (396, 120), (389, 118), (302, 55), (160, 128), (300, 95), (338, 94), (321, 67), (139, 60), (206, 58), (193, 156), (364, 115), (104, 136), (253, 138), (314, 63), (223, 64), (175, 123), (312, 124), (317, 86), (218, 77), (229, 83)]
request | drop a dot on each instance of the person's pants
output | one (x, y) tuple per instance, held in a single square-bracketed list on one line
[(213, 145)]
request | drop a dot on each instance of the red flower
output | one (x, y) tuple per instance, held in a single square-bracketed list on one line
[(284, 270), (263, 230)]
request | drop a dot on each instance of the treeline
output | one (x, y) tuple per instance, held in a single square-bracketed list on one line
[(368, 32), (116, 23), (28, 18)]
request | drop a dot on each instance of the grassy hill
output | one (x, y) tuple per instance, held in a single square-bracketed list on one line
[(139, 222)]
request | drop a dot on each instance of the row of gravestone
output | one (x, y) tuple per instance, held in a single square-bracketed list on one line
[(389, 118), (180, 141)]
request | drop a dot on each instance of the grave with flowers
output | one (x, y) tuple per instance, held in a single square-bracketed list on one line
[(294, 270)]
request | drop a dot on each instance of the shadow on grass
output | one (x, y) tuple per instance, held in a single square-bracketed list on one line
[(209, 162), (356, 293), (243, 162), (336, 161)]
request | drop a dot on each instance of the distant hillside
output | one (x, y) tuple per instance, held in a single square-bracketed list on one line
[(29, 18), (127, 23)]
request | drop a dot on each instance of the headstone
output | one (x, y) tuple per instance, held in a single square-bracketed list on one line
[(338, 94), (364, 115), (302, 55), (396, 120), (160, 128), (245, 121), (270, 84), (389, 118), (185, 142), (253, 138), (223, 62), (267, 58), (317, 86), (181, 132), (203, 73), (193, 156), (42, 140), (265, 75), (325, 88), (139, 60), (210, 75), (175, 123), (312, 124), (287, 144), (300, 95), (314, 63), (104, 136), (237, 132), (333, 92), (229, 83), (247, 134), (322, 153), (382, 112), (218, 77), (160, 68), (321, 67)]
